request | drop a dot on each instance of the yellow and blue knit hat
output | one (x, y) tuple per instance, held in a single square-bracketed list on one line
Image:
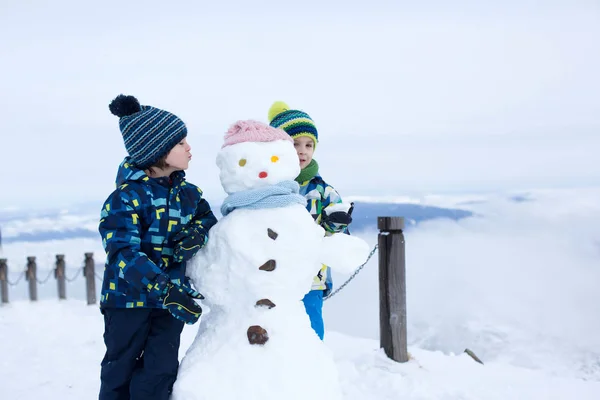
[(148, 132), (294, 122)]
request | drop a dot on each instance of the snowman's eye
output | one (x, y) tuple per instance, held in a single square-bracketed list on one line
[(274, 159), (242, 162)]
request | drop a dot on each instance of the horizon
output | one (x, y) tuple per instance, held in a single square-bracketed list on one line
[(487, 283)]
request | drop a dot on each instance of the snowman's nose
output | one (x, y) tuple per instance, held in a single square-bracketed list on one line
[(263, 174)]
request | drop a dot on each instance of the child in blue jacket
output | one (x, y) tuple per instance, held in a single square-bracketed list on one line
[(322, 200), (151, 225)]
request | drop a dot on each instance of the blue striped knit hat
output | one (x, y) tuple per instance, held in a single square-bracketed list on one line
[(149, 133), (295, 123)]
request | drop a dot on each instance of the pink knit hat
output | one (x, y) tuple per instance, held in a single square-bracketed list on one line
[(253, 131)]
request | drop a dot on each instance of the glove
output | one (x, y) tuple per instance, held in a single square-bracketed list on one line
[(339, 213), (181, 305), (159, 287), (190, 290), (187, 243), (339, 217)]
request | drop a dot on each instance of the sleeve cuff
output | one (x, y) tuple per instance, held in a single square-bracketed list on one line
[(159, 286)]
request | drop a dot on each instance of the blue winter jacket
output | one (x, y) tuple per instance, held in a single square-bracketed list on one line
[(137, 222), (320, 195)]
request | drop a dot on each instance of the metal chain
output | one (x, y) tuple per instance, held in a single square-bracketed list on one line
[(353, 275), (79, 271), (46, 278), (18, 279)]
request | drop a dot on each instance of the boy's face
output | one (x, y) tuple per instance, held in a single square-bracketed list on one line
[(305, 147), (179, 157)]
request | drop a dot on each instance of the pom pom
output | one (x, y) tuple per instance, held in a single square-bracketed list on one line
[(123, 105), (277, 108)]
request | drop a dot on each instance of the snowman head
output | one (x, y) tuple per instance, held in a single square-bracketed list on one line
[(255, 155)]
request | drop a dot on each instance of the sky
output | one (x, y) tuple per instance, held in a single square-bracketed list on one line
[(408, 98)]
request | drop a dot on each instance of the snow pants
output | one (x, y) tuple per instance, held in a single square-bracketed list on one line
[(142, 348), (313, 303)]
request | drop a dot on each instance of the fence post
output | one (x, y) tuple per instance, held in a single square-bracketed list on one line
[(4, 280), (392, 288), (90, 283), (31, 276), (59, 274)]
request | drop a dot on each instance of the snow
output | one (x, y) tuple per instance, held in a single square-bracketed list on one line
[(227, 272), (52, 350), (517, 285), (278, 159), (269, 352)]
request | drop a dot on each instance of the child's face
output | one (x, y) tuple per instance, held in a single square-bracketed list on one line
[(305, 147), (179, 157)]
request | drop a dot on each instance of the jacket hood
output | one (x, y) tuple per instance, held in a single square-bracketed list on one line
[(128, 172)]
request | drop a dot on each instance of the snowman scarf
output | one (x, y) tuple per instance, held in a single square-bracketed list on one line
[(279, 195)]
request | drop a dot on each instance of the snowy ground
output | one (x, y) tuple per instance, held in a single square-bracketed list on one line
[(517, 285), (52, 350)]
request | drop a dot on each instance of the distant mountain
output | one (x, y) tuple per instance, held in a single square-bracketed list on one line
[(365, 214), (45, 235), (39, 226)]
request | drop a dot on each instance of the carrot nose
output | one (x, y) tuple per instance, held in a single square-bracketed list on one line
[(262, 175)]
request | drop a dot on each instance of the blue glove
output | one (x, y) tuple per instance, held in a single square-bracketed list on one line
[(159, 287), (187, 243), (181, 305), (190, 290)]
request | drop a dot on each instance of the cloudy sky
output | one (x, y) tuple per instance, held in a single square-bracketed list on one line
[(408, 98)]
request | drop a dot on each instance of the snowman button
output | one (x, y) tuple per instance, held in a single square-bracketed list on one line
[(272, 234), (257, 335), (265, 303), (268, 266)]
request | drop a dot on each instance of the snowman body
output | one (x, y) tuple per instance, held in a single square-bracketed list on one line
[(255, 340)]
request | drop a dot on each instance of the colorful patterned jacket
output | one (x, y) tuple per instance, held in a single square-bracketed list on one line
[(137, 221), (319, 195)]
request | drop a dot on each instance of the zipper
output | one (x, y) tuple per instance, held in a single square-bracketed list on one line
[(165, 240)]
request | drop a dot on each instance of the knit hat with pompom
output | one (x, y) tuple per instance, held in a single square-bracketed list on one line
[(295, 123), (149, 133)]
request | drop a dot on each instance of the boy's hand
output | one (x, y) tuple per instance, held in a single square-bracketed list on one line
[(339, 217), (159, 287), (181, 305), (339, 213), (190, 291), (187, 243)]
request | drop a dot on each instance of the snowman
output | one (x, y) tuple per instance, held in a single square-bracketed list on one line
[(255, 340)]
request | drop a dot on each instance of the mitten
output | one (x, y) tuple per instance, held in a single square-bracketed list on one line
[(339, 217), (158, 288), (181, 305), (187, 243), (339, 213), (190, 290)]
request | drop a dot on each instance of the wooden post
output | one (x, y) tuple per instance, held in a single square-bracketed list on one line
[(90, 283), (4, 280), (59, 274), (31, 276), (392, 288)]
